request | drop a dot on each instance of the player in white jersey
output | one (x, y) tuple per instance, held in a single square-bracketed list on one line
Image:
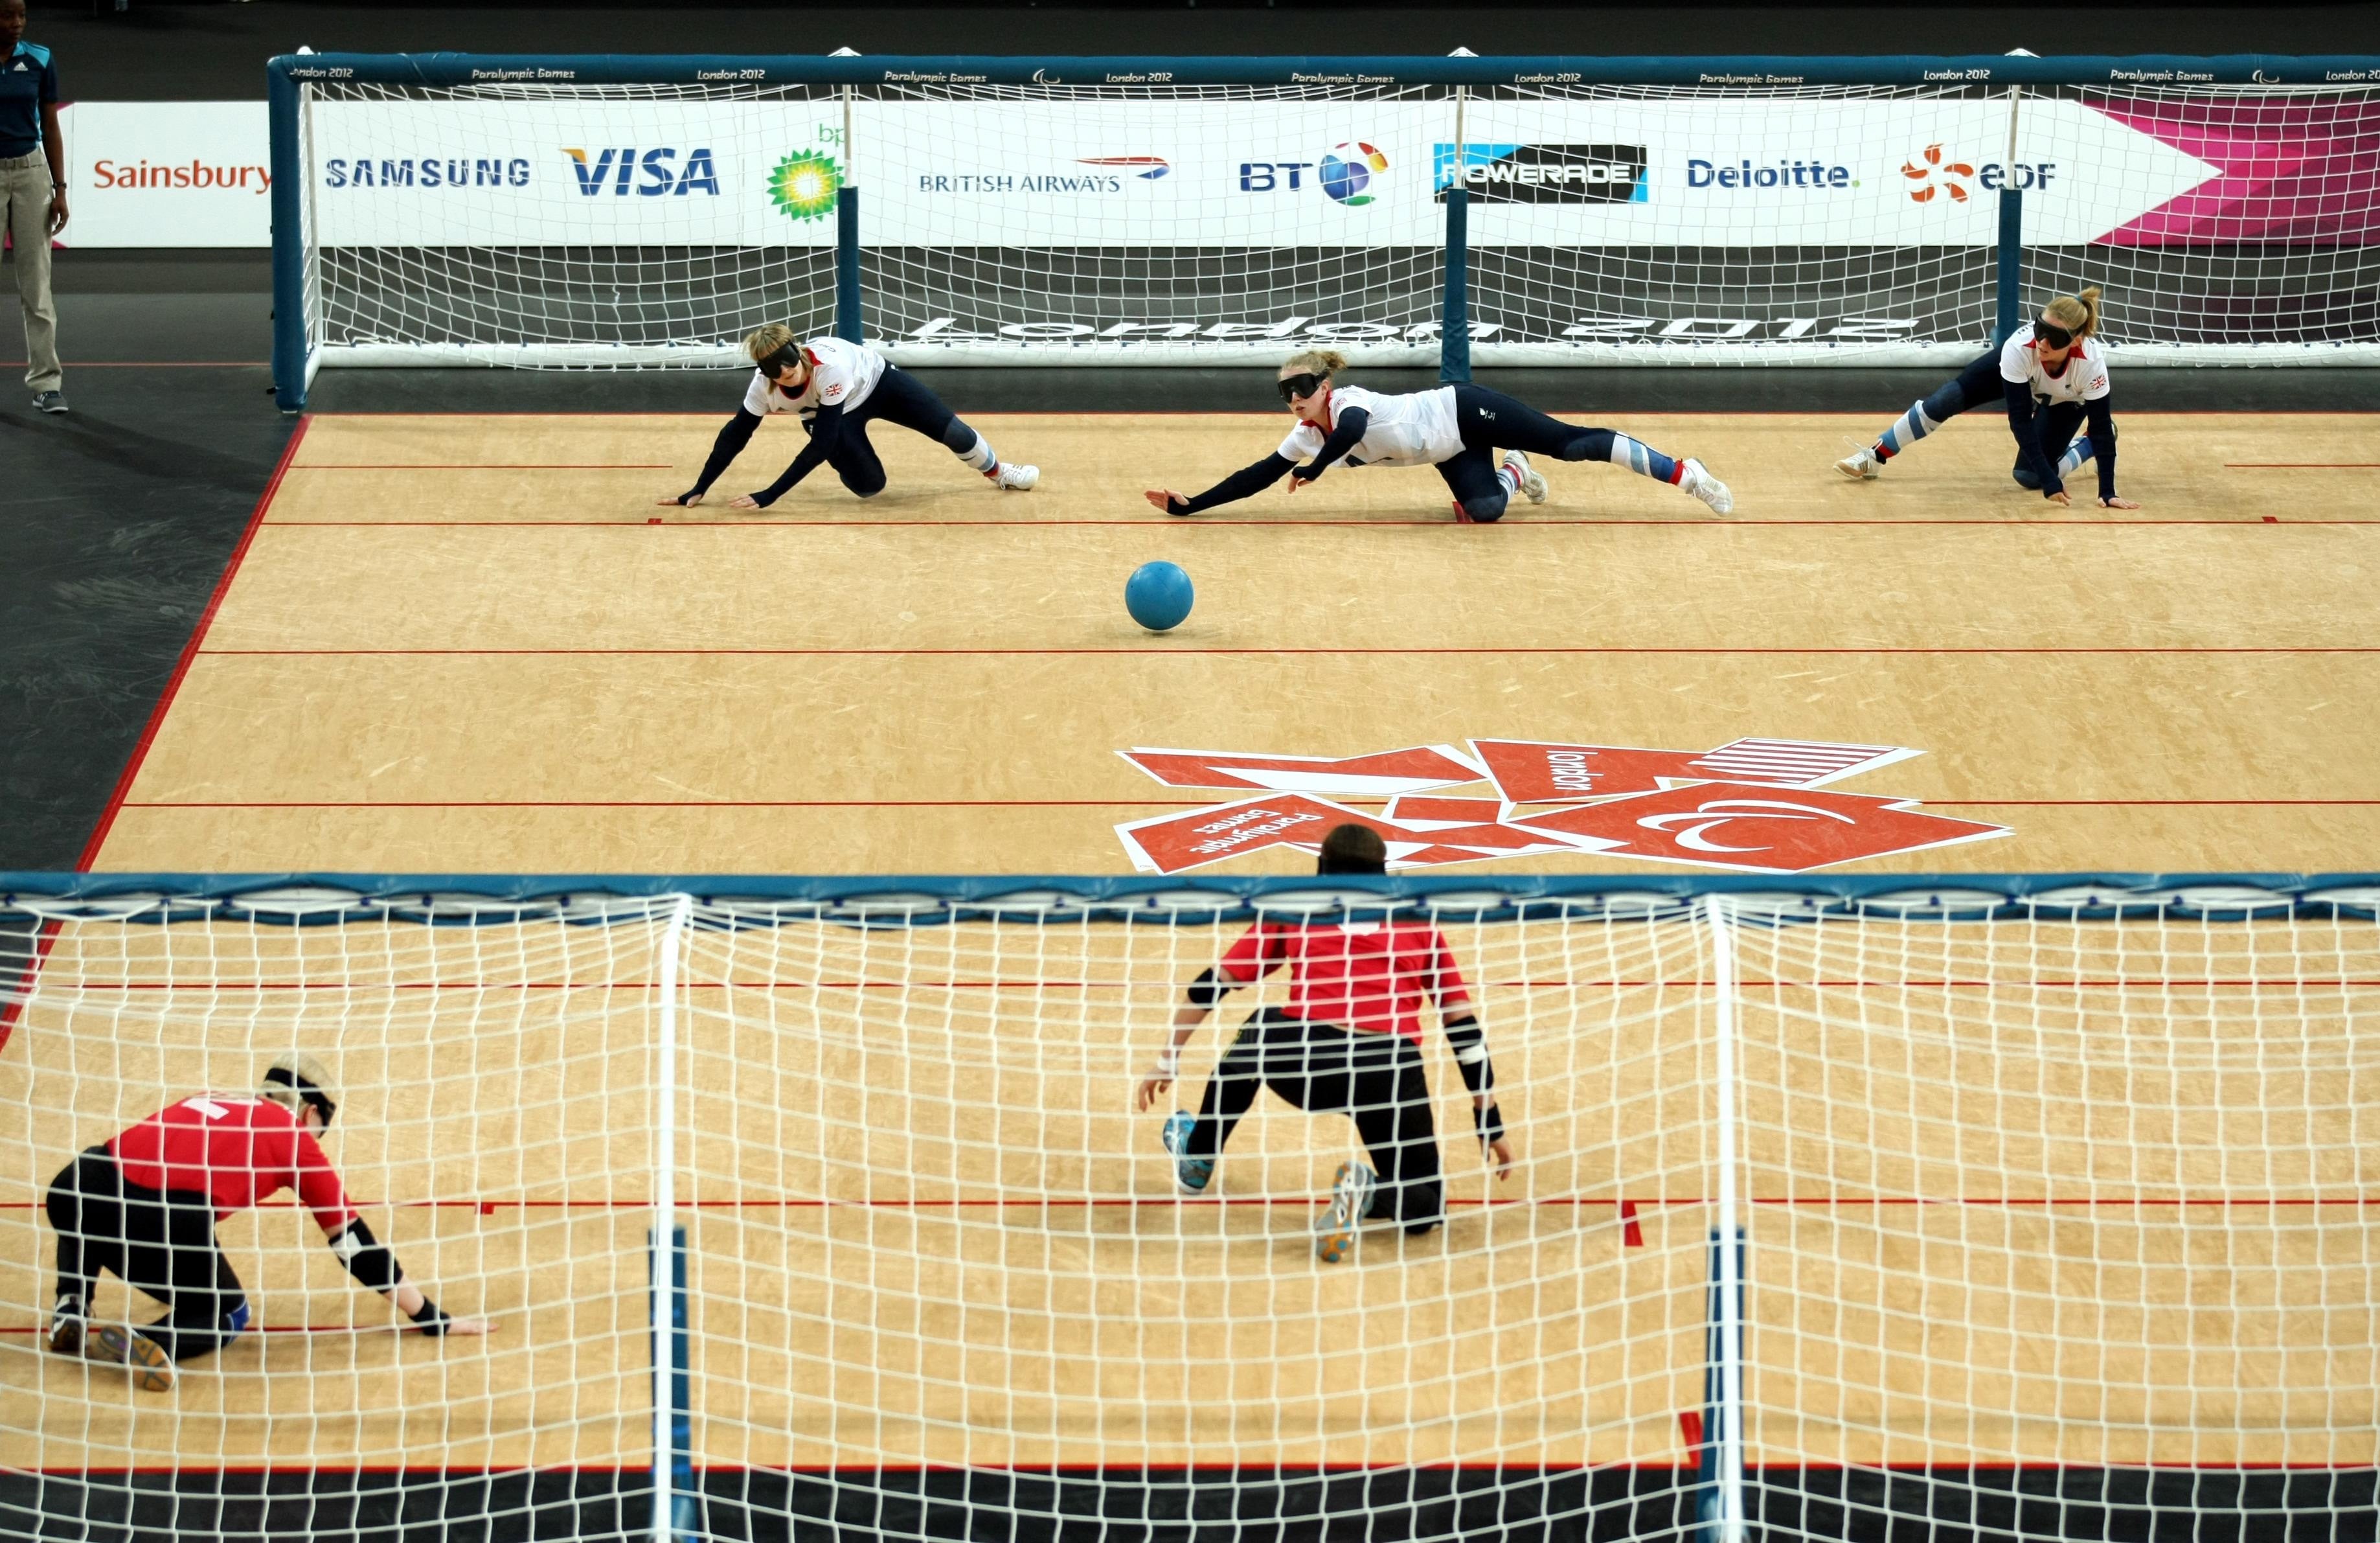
[(1458, 429), (836, 387), (2053, 376)]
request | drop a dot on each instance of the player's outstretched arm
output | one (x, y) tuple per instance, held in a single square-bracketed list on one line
[(2100, 424), (733, 437), (369, 1261), (826, 432), (1346, 431), (1240, 484), (1470, 1043), (1200, 998)]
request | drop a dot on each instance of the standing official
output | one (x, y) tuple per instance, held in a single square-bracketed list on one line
[(33, 185)]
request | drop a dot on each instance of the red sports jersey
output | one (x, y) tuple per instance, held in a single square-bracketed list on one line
[(237, 1150), (1367, 976)]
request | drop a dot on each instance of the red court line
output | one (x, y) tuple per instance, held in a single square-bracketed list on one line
[(1140, 1470), (2301, 465), (1089, 803), (1306, 1202), (697, 983), (1202, 523), (731, 373), (190, 651), (487, 466), (1712, 650), (151, 364)]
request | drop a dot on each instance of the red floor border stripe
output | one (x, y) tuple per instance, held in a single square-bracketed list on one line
[(190, 651), (1713, 651)]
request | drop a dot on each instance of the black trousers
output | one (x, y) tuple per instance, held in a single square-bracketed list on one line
[(2053, 423), (161, 1242), (1491, 422), (898, 398), (1377, 1078)]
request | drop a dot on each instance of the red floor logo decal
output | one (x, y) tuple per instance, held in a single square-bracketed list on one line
[(1754, 805)]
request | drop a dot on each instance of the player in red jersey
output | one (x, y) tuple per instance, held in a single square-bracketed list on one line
[(145, 1205), (1348, 1043)]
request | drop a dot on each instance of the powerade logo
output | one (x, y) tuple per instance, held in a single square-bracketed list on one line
[(426, 171), (1347, 174), (652, 174), (1543, 173)]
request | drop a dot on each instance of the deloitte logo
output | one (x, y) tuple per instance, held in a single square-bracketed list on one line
[(1348, 169), (803, 184)]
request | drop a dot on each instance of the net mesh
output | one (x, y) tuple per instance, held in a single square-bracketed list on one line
[(555, 224), (2046, 1224)]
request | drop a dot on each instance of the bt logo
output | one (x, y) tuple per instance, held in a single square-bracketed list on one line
[(1345, 173), (618, 169)]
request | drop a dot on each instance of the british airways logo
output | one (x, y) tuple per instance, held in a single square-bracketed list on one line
[(651, 173)]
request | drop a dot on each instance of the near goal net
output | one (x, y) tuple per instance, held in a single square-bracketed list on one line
[(443, 208), (1942, 1209)]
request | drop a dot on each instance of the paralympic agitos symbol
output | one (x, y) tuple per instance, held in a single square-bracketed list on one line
[(1755, 806)]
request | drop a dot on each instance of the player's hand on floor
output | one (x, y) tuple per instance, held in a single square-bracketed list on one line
[(2118, 503), (1163, 500), (2058, 498), (468, 1326), (682, 500), (1152, 1088), (747, 502), (1501, 1150)]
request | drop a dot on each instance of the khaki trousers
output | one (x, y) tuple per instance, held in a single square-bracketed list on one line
[(25, 184)]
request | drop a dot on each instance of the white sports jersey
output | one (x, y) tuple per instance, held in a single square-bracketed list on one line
[(840, 374), (1411, 429), (2083, 379)]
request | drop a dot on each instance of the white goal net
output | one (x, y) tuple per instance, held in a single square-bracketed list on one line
[(527, 216), (2052, 1214)]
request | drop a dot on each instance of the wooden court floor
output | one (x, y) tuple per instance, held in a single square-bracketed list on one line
[(472, 642)]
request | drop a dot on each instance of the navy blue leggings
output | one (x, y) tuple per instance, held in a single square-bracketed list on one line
[(1491, 422)]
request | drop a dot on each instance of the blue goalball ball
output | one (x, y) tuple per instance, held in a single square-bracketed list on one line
[(1158, 596)]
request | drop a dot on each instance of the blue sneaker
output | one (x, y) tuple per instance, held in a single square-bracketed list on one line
[(1350, 1201), (1192, 1173)]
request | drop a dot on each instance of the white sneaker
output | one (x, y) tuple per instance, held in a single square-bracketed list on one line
[(1533, 482), (1709, 489), (1350, 1201), (1861, 463), (1016, 479)]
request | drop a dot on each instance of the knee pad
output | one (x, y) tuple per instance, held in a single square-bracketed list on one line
[(2025, 478), (235, 1321), (1486, 511), (868, 487), (958, 437)]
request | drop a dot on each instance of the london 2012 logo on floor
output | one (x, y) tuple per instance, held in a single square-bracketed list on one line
[(1753, 805)]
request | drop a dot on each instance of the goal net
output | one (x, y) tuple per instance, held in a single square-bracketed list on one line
[(2018, 1207), (443, 208)]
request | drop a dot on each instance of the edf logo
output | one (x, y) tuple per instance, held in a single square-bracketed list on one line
[(1263, 177), (619, 169)]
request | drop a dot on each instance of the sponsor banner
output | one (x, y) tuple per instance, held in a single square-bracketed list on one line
[(167, 173), (1799, 173), (1216, 174)]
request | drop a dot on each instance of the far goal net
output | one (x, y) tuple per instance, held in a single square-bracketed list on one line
[(2015, 1208), (445, 208)]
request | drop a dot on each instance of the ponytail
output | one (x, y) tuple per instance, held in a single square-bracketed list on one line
[(1320, 362), (2077, 313)]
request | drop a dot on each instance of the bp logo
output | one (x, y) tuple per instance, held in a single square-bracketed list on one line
[(1348, 171), (803, 184)]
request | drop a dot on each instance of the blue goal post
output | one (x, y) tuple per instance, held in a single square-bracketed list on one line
[(1505, 246)]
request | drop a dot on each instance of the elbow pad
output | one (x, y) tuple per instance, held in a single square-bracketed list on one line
[(1470, 1042), (366, 1258), (1207, 989)]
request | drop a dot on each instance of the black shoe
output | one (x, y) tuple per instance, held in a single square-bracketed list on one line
[(50, 401)]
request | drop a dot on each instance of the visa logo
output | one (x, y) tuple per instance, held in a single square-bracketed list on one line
[(652, 174)]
